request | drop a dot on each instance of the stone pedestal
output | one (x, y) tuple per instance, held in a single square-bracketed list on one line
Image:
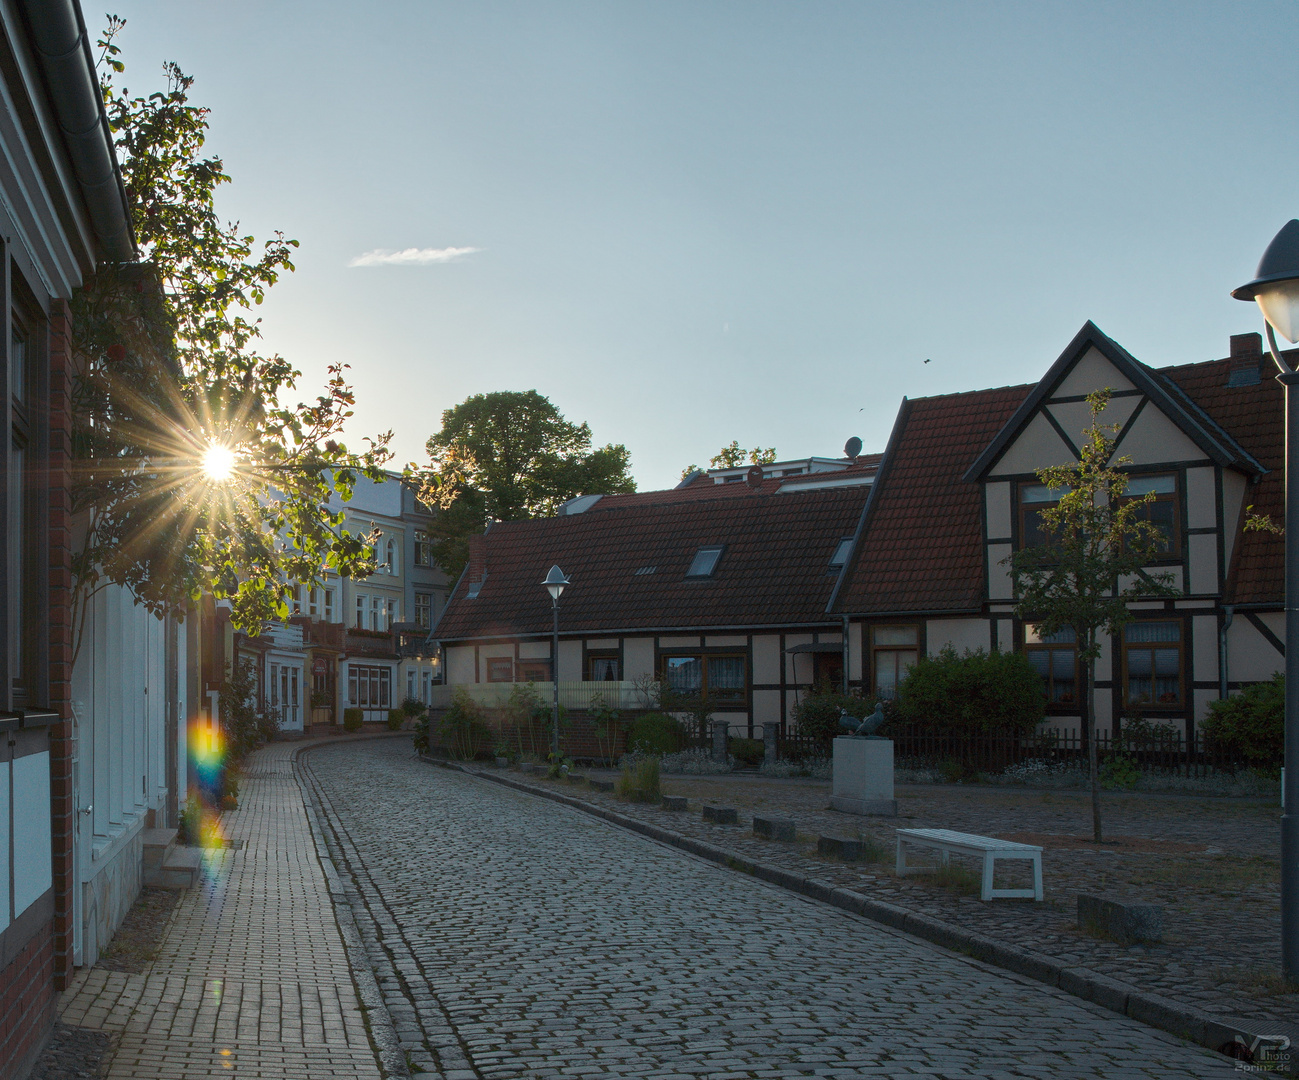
[(769, 733), (863, 776), (721, 729)]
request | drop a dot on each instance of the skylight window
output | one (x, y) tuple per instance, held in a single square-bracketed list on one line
[(841, 552), (705, 562), (646, 570)]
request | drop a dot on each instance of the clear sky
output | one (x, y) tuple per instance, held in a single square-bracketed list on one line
[(692, 222)]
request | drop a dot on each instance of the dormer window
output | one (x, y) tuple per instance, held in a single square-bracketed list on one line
[(705, 562), (841, 552)]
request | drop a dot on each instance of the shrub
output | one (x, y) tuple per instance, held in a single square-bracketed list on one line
[(1252, 723), (396, 717), (422, 734), (639, 781), (655, 733), (191, 817), (607, 723), (748, 752), (244, 727), (351, 719), (463, 731), (817, 715), (412, 706), (976, 692)]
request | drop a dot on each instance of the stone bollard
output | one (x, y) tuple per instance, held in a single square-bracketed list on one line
[(721, 729), (769, 733), (774, 828), (1121, 920), (721, 815), (675, 802), (840, 847)]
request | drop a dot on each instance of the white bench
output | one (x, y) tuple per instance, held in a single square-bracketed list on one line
[(946, 842)]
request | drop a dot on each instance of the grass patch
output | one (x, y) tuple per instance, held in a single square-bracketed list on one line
[(959, 879), (1225, 875), (639, 781), (1256, 980)]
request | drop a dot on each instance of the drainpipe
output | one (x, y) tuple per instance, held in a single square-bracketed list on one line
[(59, 39), (1228, 611)]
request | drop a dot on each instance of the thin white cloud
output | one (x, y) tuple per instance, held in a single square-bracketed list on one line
[(411, 256)]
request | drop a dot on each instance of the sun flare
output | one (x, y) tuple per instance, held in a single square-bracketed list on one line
[(218, 463)]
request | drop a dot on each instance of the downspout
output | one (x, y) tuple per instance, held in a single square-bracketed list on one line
[(59, 38), (1228, 611), (845, 655)]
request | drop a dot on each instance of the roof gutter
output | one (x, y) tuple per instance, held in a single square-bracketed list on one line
[(58, 35)]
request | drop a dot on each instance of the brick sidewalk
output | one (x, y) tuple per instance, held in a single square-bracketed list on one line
[(252, 978)]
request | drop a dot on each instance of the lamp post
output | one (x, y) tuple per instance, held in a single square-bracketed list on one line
[(555, 582), (1276, 290)]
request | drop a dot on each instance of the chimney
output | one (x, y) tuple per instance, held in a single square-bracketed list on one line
[(477, 558), (1247, 360)]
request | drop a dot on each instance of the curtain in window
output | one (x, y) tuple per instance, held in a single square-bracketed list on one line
[(726, 675)]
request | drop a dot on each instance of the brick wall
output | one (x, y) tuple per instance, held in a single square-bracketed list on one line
[(26, 1003)]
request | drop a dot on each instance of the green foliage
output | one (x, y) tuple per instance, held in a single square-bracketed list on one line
[(351, 719), (817, 715), (655, 733), (1252, 723), (558, 766), (413, 706), (245, 728), (639, 779), (188, 829), (975, 692), (507, 456), (607, 724), (422, 734), (396, 717), (463, 731), (730, 457), (1119, 772), (167, 366), (747, 751), (696, 707)]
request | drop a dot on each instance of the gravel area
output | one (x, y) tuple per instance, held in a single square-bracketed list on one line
[(136, 942), (73, 1054), (1212, 862)]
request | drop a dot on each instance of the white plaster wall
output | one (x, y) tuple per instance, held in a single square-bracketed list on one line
[(1155, 439), (570, 661), (680, 642), (766, 659), (996, 497), (855, 651), (766, 707), (33, 869), (1202, 551), (534, 650), (961, 634), (1000, 584), (460, 665), (498, 650), (720, 641), (1250, 656), (1091, 372), (1006, 635), (602, 643), (637, 658), (1037, 446), (1235, 495), (1204, 647), (1076, 416), (1201, 499), (792, 670)]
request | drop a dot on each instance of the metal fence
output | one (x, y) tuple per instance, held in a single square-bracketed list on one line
[(995, 751)]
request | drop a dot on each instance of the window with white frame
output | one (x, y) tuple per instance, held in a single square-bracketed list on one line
[(361, 604), (390, 556), (394, 615), (424, 609), (329, 605), (369, 686), (410, 683), (376, 612), (313, 603), (423, 549)]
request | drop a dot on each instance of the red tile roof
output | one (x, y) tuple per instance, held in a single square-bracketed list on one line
[(1255, 417), (922, 547), (775, 570)]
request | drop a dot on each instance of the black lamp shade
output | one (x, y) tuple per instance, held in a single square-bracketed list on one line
[(1280, 262)]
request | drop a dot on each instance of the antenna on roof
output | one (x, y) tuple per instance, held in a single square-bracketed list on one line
[(754, 477), (852, 448)]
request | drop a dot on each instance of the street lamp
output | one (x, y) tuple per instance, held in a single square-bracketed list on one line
[(555, 582), (1276, 290)]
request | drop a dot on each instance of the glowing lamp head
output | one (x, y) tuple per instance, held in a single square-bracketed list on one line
[(555, 582), (1275, 287), (218, 463)]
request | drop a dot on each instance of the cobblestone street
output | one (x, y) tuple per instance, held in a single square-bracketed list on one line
[(513, 937)]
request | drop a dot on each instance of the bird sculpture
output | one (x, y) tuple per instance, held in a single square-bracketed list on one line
[(863, 728)]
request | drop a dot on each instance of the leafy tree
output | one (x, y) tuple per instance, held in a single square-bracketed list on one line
[(1093, 562), (507, 456), (169, 369), (729, 457)]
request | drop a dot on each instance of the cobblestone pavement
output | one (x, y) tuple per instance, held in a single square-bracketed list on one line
[(252, 977), (1214, 865), (517, 938)]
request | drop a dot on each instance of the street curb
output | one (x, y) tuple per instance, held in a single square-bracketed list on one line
[(382, 1030), (1151, 1009)]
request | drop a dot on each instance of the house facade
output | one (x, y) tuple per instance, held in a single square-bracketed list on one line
[(751, 588), (959, 493), (716, 587)]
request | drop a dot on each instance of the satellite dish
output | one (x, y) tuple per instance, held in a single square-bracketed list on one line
[(754, 477), (852, 448)]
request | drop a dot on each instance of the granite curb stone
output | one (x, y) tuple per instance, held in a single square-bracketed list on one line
[(1158, 1012)]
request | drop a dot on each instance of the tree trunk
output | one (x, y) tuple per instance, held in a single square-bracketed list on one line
[(1093, 768)]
